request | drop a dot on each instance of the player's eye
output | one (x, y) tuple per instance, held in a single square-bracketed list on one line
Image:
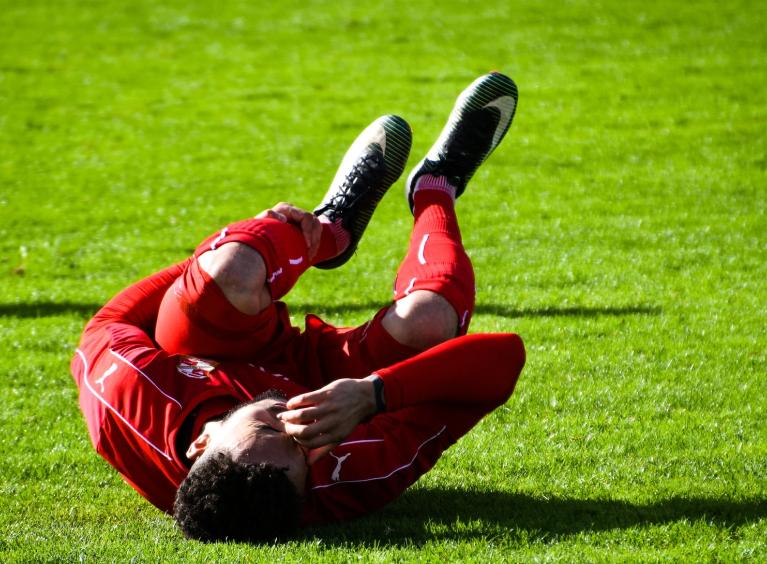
[(267, 428)]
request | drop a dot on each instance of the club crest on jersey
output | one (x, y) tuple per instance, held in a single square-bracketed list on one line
[(194, 367)]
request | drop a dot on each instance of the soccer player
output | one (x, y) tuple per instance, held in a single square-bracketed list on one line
[(197, 389)]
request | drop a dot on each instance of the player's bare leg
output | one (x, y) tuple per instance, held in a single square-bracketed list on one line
[(421, 320), (435, 283), (240, 272)]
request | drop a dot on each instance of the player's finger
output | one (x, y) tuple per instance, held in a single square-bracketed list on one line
[(306, 435), (305, 221), (303, 400), (290, 211), (296, 431), (312, 230), (305, 415), (272, 214), (314, 434), (283, 207), (308, 223)]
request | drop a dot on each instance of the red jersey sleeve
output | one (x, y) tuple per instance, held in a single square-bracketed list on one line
[(432, 400), (470, 370), (138, 304)]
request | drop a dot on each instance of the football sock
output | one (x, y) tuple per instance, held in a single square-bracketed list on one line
[(436, 260), (334, 240), (439, 183)]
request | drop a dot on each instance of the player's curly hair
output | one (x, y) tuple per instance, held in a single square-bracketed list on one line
[(222, 499)]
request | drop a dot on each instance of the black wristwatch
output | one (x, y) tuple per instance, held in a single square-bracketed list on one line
[(378, 390)]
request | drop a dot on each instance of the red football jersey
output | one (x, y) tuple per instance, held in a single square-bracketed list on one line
[(137, 398)]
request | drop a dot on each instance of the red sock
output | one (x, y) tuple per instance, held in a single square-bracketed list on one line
[(333, 242), (436, 259)]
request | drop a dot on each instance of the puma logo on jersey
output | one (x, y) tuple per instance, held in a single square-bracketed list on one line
[(336, 475), (107, 373)]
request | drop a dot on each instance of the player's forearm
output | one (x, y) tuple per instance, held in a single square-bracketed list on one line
[(475, 369)]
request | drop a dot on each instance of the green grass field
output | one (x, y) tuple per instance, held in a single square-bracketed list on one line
[(621, 229)]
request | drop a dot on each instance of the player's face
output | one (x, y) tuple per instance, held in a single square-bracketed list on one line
[(253, 433)]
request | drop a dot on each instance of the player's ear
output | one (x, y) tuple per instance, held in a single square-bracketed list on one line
[(198, 446)]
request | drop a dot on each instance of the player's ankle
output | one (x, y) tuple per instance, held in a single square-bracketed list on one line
[(427, 182), (432, 190), (335, 232)]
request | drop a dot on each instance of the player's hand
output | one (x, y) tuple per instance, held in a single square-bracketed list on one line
[(326, 416), (306, 221)]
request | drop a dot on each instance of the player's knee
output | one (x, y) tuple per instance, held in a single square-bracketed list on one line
[(421, 320), (240, 272)]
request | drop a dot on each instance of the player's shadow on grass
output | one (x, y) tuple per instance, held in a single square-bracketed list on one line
[(47, 309), (424, 515), (50, 309), (494, 309)]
